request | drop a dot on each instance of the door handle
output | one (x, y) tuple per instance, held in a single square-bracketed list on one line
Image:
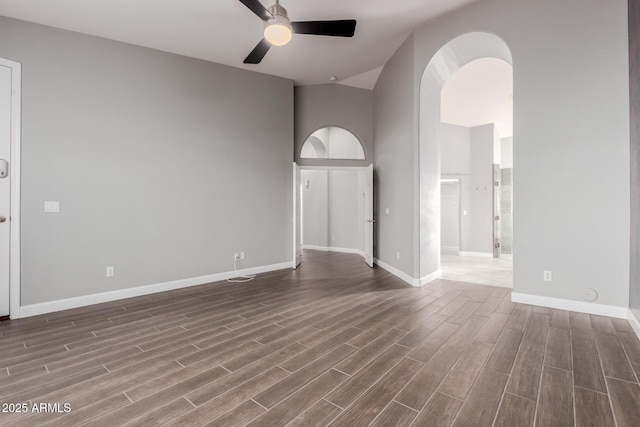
[(371, 220), (2, 219)]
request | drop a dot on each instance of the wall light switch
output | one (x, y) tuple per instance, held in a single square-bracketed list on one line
[(386, 211), (52, 206)]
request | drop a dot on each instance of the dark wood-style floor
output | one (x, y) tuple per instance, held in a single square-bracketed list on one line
[(333, 343)]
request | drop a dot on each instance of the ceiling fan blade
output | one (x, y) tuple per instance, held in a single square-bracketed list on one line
[(258, 52), (256, 7), (340, 28)]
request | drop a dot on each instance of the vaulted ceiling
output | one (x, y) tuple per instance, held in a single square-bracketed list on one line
[(225, 31)]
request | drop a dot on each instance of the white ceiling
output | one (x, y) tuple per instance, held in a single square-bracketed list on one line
[(481, 92), (225, 31)]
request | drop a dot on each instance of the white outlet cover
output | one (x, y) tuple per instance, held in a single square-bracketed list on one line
[(51, 206)]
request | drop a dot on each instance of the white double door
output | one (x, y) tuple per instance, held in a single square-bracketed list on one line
[(367, 221)]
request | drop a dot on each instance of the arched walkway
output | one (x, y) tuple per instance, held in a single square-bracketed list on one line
[(452, 56)]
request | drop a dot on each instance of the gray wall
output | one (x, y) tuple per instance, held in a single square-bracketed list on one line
[(450, 217), (346, 209), (468, 154), (634, 73), (568, 149), (315, 207), (479, 237), (455, 156), (333, 208), (162, 164), (396, 164), (506, 152), (334, 105)]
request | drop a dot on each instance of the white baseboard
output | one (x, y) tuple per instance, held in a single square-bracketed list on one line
[(404, 276), (334, 249), (430, 278), (571, 305), (450, 249), (635, 324), (399, 274), (478, 254), (65, 304)]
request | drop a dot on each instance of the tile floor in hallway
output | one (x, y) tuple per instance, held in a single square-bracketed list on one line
[(332, 343)]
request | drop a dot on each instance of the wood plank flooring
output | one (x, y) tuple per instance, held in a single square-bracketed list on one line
[(333, 343)]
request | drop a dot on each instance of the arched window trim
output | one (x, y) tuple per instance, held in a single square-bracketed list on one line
[(354, 134)]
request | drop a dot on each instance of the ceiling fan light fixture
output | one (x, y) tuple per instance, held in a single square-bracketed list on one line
[(277, 31)]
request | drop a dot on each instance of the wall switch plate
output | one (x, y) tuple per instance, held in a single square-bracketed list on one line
[(242, 255), (52, 206), (546, 276), (398, 255), (111, 271), (386, 211)]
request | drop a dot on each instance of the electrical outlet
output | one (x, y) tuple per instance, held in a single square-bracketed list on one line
[(242, 255), (111, 271), (236, 257), (547, 276)]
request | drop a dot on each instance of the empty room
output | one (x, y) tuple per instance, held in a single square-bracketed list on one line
[(279, 213)]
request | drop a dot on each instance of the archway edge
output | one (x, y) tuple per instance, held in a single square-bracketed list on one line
[(445, 62), (460, 51)]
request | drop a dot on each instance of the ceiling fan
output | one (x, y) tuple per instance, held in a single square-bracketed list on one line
[(278, 28)]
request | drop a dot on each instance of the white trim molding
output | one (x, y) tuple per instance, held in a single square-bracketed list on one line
[(635, 323), (478, 254), (430, 277), (66, 304), (404, 276), (15, 174), (571, 305), (334, 249), (399, 274)]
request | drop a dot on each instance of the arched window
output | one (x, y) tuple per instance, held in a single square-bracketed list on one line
[(332, 143)]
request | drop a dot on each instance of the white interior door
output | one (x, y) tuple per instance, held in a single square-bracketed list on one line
[(5, 188), (369, 219), (297, 216)]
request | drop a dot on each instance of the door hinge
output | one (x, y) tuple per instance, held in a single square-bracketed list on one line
[(497, 245), (497, 218), (496, 183)]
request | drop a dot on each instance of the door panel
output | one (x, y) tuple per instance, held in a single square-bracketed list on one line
[(369, 219), (5, 187), (496, 211)]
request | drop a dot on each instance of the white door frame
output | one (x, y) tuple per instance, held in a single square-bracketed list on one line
[(326, 168), (14, 176)]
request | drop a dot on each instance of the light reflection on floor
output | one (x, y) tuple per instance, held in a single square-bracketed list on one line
[(484, 271)]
